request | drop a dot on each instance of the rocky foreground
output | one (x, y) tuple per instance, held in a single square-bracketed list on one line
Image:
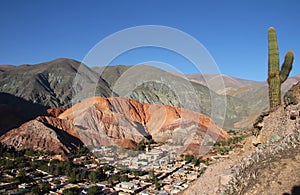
[(267, 163)]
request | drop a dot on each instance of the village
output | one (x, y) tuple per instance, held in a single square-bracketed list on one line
[(157, 169)]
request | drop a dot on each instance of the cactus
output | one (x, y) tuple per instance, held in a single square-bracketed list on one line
[(275, 76)]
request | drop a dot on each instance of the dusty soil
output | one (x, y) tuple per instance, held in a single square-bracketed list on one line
[(220, 172), (270, 168), (281, 176)]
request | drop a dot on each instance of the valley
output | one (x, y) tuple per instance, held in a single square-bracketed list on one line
[(159, 134)]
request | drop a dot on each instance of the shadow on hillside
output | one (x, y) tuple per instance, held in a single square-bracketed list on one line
[(15, 111), (70, 141), (295, 191)]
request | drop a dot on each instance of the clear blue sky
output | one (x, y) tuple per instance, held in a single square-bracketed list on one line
[(234, 32)]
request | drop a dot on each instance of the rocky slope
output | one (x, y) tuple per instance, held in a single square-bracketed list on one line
[(105, 121), (113, 121), (40, 135), (12, 112), (151, 85), (50, 83), (268, 161)]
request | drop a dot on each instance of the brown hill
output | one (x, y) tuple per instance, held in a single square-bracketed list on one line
[(113, 121), (39, 135), (106, 121), (127, 143)]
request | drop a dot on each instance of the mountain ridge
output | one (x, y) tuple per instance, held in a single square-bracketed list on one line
[(51, 84), (112, 121)]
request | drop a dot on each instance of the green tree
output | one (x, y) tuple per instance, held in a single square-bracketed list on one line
[(9, 164), (188, 157), (35, 190), (124, 178), (151, 174), (141, 145), (71, 191), (156, 184), (93, 177), (57, 171), (45, 187), (22, 176), (93, 190), (72, 180), (195, 161)]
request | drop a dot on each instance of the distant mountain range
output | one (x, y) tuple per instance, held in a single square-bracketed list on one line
[(27, 91), (50, 84), (149, 93)]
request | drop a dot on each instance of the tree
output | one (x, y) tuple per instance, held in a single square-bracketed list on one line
[(57, 171), (93, 177), (45, 187), (72, 180), (141, 145), (97, 175), (22, 176), (35, 190), (156, 184), (71, 191), (151, 174), (124, 178), (93, 190), (195, 161), (188, 158)]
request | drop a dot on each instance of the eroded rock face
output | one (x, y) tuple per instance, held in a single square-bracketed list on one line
[(106, 120), (55, 112), (127, 144), (292, 96), (113, 121), (40, 136)]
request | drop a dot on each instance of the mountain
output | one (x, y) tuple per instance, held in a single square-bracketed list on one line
[(151, 85), (111, 73), (254, 94), (250, 91), (231, 86), (114, 121), (49, 84), (39, 135), (63, 82), (15, 111)]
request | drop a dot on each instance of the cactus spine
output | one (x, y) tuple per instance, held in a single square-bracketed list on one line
[(275, 76)]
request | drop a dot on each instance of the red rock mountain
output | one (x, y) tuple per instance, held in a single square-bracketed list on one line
[(108, 120), (113, 121), (40, 135)]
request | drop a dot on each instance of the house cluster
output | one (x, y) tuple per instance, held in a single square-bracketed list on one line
[(172, 175), (162, 172)]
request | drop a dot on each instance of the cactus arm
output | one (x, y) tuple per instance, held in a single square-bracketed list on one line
[(286, 66)]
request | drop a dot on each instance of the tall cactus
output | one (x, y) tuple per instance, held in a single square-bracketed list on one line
[(275, 76)]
